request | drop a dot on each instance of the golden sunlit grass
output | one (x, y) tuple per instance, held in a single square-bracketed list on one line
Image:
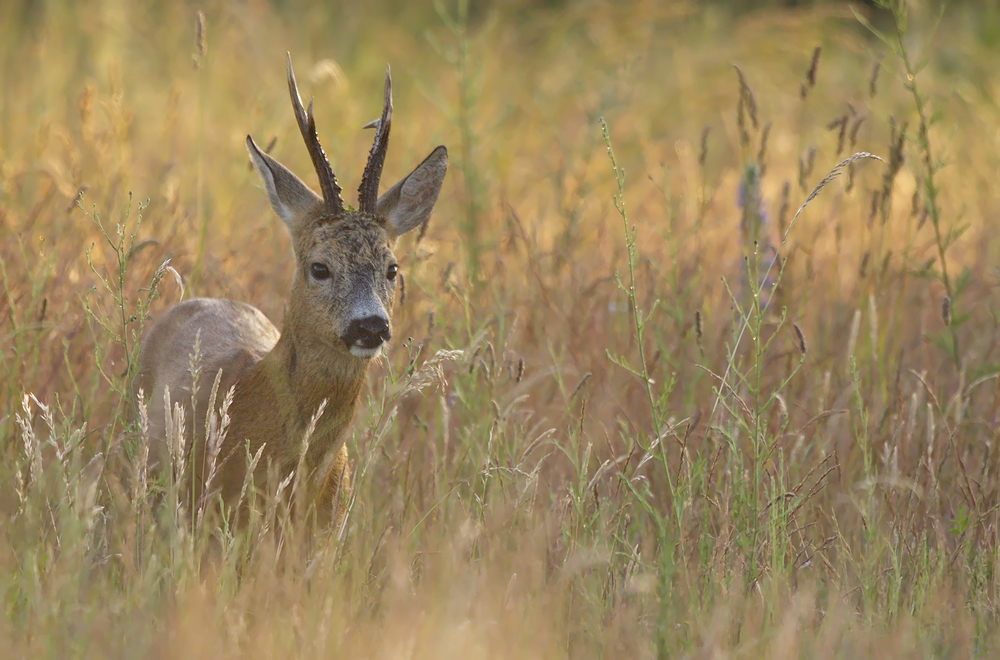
[(633, 411)]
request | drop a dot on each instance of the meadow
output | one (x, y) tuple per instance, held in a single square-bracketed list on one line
[(698, 356)]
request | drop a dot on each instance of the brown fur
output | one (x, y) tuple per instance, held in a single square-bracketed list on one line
[(281, 380)]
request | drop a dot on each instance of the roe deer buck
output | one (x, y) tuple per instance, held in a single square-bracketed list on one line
[(337, 320)]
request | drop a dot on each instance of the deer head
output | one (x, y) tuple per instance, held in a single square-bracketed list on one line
[(346, 273)]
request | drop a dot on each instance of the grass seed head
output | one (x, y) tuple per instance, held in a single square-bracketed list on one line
[(840, 136), (855, 127), (813, 66), (703, 152), (747, 96), (873, 79), (762, 152), (200, 41), (800, 338)]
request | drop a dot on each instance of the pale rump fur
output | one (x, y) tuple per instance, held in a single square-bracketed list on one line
[(338, 318)]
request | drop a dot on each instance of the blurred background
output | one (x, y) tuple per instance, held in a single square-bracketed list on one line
[(104, 99), (877, 410)]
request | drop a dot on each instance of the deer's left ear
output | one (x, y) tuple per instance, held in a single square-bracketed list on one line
[(409, 203)]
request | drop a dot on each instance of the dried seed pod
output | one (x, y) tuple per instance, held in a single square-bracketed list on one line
[(873, 80), (855, 127), (199, 34), (762, 153), (703, 153), (200, 44), (783, 209), (800, 337), (813, 66), (896, 143)]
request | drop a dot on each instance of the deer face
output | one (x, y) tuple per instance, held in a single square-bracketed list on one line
[(345, 282), (346, 272)]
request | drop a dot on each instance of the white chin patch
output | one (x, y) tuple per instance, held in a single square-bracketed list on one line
[(362, 352)]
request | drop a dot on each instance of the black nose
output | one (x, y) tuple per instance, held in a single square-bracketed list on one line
[(369, 332)]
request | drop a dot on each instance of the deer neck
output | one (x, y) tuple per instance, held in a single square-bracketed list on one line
[(303, 373)]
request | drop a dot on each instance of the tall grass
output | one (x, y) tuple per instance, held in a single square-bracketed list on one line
[(656, 415)]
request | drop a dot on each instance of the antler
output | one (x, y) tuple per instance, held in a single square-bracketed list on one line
[(307, 126), (368, 191)]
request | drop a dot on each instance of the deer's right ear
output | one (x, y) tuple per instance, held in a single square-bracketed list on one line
[(290, 198)]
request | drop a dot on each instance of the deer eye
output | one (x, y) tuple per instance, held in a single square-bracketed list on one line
[(319, 271), (391, 273)]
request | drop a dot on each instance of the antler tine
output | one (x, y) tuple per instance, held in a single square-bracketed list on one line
[(368, 191), (307, 126)]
